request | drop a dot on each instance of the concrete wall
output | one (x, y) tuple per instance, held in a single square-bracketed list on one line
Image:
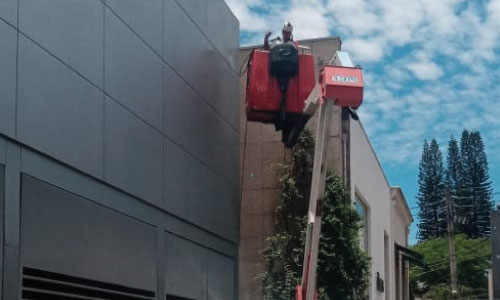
[(129, 109), (261, 151)]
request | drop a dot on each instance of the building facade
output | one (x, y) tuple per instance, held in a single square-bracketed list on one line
[(383, 208), (386, 215), (119, 149), (401, 219)]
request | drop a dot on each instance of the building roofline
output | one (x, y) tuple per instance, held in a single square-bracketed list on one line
[(398, 189), (232, 14), (326, 38), (374, 153), (405, 207)]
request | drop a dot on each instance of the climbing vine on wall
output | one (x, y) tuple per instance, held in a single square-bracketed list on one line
[(343, 268)]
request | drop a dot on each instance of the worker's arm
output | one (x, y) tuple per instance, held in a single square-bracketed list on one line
[(266, 40)]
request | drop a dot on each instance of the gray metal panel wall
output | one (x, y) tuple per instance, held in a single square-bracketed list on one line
[(74, 34), (495, 256), (196, 10), (8, 36), (221, 276), (3, 144), (8, 11), (11, 218), (143, 17), (195, 191), (48, 170), (223, 37), (133, 72), (68, 234), (185, 268), (93, 94), (134, 154), (224, 88), (168, 66), (186, 115), (195, 272), (58, 112), (75, 225), (2, 199), (188, 59)]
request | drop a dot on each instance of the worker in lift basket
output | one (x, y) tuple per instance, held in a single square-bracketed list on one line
[(283, 66), (287, 37)]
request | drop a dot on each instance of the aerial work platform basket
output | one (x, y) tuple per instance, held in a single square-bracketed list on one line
[(342, 84), (263, 97)]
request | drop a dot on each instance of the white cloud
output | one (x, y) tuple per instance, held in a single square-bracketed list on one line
[(355, 16), (425, 70), (364, 50), (431, 67), (493, 10), (308, 19), (249, 20)]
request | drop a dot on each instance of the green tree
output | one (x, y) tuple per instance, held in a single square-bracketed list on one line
[(430, 195), (343, 267), (475, 193), (473, 260), (455, 183), (443, 291), (454, 170)]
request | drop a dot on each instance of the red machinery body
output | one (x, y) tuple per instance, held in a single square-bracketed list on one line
[(263, 94), (342, 84)]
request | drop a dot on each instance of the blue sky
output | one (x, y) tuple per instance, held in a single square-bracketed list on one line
[(431, 69)]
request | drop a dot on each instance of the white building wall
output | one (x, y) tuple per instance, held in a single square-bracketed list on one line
[(399, 227), (401, 217), (369, 183), (401, 220)]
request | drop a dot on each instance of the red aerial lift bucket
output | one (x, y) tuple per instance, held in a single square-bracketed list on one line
[(263, 94), (342, 84)]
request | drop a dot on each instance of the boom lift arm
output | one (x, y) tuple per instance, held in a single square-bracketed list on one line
[(321, 100)]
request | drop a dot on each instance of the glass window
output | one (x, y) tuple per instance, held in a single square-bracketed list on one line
[(363, 213)]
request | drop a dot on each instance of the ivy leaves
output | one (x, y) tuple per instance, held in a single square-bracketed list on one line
[(343, 268)]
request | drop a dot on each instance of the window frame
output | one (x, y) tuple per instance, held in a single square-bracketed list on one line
[(365, 230)]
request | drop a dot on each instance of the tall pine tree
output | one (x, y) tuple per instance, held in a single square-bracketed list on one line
[(454, 166), (431, 181), (476, 187), (454, 181)]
